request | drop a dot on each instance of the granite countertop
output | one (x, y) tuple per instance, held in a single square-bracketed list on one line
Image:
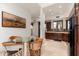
[(57, 32)]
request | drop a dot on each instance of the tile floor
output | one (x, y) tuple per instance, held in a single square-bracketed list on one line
[(55, 48)]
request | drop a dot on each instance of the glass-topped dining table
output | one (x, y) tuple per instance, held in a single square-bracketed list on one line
[(23, 44)]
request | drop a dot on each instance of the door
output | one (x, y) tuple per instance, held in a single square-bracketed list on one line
[(38, 29)]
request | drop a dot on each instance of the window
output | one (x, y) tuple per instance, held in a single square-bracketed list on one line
[(58, 25)]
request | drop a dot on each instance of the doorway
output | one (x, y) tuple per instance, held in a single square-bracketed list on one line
[(36, 29)]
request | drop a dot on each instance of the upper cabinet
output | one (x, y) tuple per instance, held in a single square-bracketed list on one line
[(48, 25), (58, 25), (67, 25)]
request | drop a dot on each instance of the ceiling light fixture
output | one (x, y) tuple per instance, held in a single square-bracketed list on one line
[(52, 14), (57, 16), (50, 10), (60, 6)]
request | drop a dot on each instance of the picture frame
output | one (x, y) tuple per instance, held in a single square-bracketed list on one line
[(11, 20)]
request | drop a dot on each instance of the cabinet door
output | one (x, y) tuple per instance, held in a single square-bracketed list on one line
[(48, 26), (65, 37), (59, 36)]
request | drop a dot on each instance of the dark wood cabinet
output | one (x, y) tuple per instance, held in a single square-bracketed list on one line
[(48, 25), (58, 36), (65, 37), (76, 50)]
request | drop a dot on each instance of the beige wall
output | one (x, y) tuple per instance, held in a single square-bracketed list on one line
[(5, 33), (35, 29)]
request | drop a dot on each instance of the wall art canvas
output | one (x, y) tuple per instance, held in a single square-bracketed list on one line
[(10, 20)]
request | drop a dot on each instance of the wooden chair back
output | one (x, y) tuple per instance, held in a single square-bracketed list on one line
[(35, 46)]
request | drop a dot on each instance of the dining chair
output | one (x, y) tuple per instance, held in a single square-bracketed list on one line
[(35, 47)]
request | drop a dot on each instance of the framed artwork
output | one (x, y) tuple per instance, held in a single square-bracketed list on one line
[(10, 20)]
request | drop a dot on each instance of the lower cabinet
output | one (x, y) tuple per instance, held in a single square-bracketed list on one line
[(57, 36)]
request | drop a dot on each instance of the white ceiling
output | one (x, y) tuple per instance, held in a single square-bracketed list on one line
[(43, 5), (58, 9), (32, 8), (50, 10)]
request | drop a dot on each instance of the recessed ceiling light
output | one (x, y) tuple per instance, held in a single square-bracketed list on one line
[(52, 14), (60, 6), (50, 10)]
